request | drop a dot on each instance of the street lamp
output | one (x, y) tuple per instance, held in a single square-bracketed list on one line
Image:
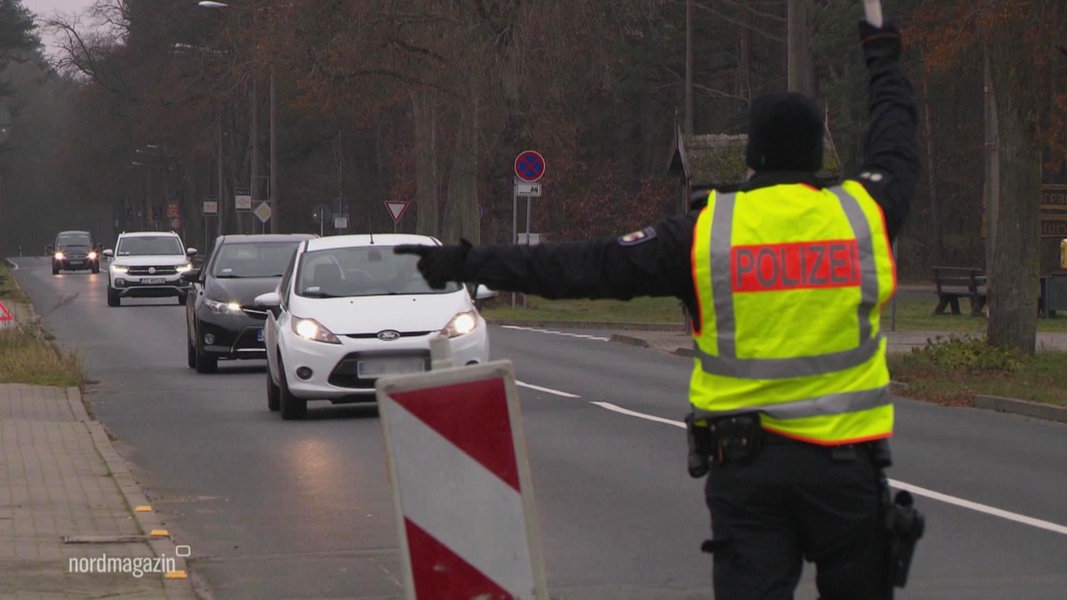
[(272, 199)]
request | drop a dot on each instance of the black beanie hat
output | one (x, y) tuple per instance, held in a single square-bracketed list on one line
[(785, 134)]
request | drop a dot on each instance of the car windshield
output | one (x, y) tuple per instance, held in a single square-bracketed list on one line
[(68, 240), (149, 246), (260, 259), (362, 271)]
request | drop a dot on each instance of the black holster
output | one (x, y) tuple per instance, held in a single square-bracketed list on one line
[(723, 440), (698, 436), (905, 526)]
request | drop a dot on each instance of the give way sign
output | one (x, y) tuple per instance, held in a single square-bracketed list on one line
[(396, 209)]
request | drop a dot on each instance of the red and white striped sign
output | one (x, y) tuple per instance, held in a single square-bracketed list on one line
[(461, 483)]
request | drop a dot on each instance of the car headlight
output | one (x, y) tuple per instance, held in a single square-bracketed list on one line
[(310, 329), (58, 255), (223, 308), (184, 268), (461, 324), (92, 255), (119, 268)]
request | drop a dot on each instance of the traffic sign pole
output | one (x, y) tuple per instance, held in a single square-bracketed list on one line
[(514, 225), (529, 167)]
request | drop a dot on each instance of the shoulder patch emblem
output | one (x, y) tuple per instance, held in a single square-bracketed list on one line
[(637, 237)]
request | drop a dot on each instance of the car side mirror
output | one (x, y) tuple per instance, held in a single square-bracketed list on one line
[(190, 251), (484, 293), (268, 300), (191, 275), (50, 248), (109, 253)]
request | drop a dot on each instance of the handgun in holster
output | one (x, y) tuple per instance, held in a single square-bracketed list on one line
[(698, 436), (905, 525)]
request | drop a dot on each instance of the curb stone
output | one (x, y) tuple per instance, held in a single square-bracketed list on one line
[(1022, 407)]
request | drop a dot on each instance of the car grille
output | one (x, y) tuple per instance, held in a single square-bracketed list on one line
[(148, 270), (403, 334), (248, 340)]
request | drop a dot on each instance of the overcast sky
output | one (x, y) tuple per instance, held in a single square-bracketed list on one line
[(48, 8)]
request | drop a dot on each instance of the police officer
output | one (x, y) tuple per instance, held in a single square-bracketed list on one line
[(784, 279)]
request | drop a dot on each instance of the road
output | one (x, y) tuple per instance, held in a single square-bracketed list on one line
[(276, 509)]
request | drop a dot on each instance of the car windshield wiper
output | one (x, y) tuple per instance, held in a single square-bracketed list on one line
[(311, 294)]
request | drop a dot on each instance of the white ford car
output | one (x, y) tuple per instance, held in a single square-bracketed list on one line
[(348, 311)]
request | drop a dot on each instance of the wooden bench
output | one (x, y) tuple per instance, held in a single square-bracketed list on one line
[(954, 283)]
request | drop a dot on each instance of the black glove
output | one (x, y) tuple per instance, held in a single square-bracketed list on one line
[(880, 42), (438, 264)]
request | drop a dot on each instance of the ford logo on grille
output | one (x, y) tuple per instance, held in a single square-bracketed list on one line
[(388, 335)]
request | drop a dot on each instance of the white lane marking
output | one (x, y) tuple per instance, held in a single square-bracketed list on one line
[(560, 333), (546, 390), (982, 508), (900, 485), (633, 413)]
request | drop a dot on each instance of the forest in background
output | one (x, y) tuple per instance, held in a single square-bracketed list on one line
[(148, 109)]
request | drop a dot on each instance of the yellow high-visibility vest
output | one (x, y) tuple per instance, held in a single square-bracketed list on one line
[(790, 283)]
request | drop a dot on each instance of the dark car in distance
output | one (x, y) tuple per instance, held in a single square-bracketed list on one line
[(74, 251), (220, 298)]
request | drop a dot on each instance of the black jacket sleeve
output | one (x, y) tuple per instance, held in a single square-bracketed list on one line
[(651, 262), (891, 167)]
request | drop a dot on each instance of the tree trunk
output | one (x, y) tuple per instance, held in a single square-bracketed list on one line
[(461, 207), (931, 181), (801, 72), (1015, 232), (424, 113)]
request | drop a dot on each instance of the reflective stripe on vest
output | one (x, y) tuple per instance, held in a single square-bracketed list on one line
[(727, 363), (829, 404)]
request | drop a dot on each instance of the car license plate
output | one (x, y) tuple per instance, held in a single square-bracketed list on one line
[(377, 367), (259, 334), (152, 280), (75, 262)]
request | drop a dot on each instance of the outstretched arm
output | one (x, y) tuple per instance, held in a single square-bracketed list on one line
[(891, 166)]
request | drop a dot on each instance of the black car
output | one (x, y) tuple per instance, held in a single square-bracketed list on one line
[(74, 251), (219, 303)]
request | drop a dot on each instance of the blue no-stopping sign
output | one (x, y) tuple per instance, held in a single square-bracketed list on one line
[(529, 166)]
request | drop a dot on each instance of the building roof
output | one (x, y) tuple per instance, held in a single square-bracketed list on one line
[(718, 160)]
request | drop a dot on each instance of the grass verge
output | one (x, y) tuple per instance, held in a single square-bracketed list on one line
[(954, 369), (26, 350)]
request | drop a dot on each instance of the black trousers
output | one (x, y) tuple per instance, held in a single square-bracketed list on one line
[(794, 502)]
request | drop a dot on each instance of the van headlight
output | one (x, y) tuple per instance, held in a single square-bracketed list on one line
[(119, 268), (184, 268), (310, 329), (461, 324)]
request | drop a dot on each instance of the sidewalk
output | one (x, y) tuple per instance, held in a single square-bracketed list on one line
[(73, 521)]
